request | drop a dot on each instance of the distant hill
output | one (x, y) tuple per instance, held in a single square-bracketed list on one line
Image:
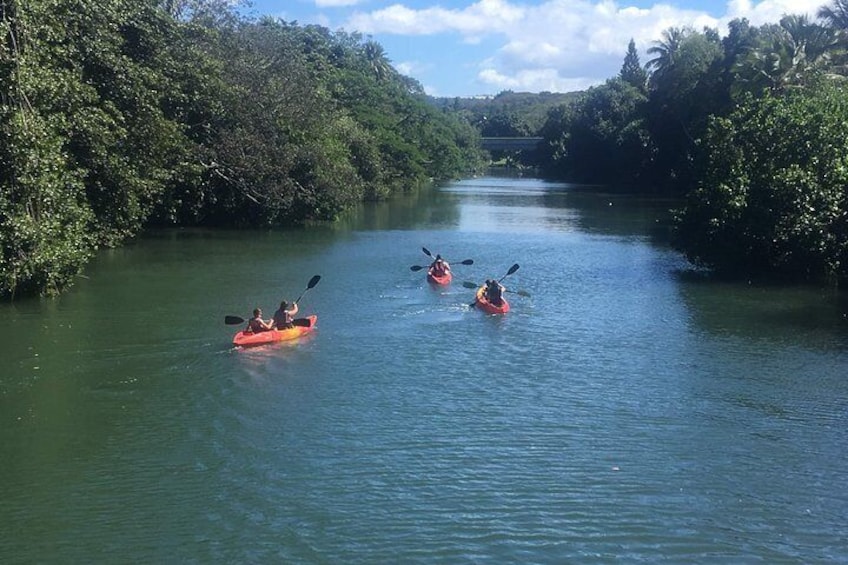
[(507, 114)]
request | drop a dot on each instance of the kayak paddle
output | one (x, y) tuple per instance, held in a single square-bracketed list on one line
[(231, 320), (524, 293), (419, 267)]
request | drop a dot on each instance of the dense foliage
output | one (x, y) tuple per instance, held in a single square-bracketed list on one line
[(601, 139), (119, 114), (509, 114), (772, 196)]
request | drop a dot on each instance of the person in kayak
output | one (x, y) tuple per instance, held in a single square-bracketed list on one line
[(284, 316), (440, 267), (256, 324), (494, 292)]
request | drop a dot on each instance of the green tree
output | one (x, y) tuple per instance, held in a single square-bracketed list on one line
[(87, 139), (631, 70), (790, 54), (375, 55), (835, 14), (683, 94), (666, 49), (602, 137)]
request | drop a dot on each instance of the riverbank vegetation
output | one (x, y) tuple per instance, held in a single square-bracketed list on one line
[(119, 114), (749, 129)]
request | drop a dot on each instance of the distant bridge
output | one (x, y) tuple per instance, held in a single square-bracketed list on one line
[(510, 143)]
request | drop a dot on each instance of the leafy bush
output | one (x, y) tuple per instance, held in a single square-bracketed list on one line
[(773, 195)]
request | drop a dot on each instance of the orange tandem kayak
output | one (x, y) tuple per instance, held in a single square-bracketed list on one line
[(302, 327)]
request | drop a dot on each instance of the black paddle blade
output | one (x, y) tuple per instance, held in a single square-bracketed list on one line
[(509, 272), (231, 320), (426, 252), (467, 262), (416, 268), (469, 284), (312, 282), (302, 322)]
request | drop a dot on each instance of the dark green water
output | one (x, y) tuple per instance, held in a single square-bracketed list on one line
[(627, 412)]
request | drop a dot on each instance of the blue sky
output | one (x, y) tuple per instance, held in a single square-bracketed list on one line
[(475, 47)]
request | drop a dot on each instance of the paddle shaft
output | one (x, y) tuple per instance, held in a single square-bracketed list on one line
[(416, 268)]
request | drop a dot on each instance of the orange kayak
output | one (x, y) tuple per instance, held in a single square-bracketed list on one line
[(486, 306), (442, 279), (247, 339)]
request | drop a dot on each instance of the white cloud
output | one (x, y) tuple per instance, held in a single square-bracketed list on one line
[(411, 68), (561, 45), (481, 18), (759, 13), (536, 80)]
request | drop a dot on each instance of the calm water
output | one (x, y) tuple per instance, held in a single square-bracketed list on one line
[(628, 411)]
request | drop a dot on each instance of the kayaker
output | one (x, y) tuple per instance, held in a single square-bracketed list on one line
[(440, 267), (284, 316), (494, 292), (257, 324)]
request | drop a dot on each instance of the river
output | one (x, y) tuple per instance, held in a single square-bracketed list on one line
[(628, 410)]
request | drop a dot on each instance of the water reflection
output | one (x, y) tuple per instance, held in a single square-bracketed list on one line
[(527, 205), (795, 315)]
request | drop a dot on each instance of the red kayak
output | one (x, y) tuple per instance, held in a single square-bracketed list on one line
[(247, 339), (486, 306), (442, 279)]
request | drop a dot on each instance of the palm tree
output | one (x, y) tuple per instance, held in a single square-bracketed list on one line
[(666, 49), (376, 57), (789, 54), (836, 15)]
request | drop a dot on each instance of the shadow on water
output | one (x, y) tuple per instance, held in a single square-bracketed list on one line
[(817, 316), (422, 208), (604, 212)]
